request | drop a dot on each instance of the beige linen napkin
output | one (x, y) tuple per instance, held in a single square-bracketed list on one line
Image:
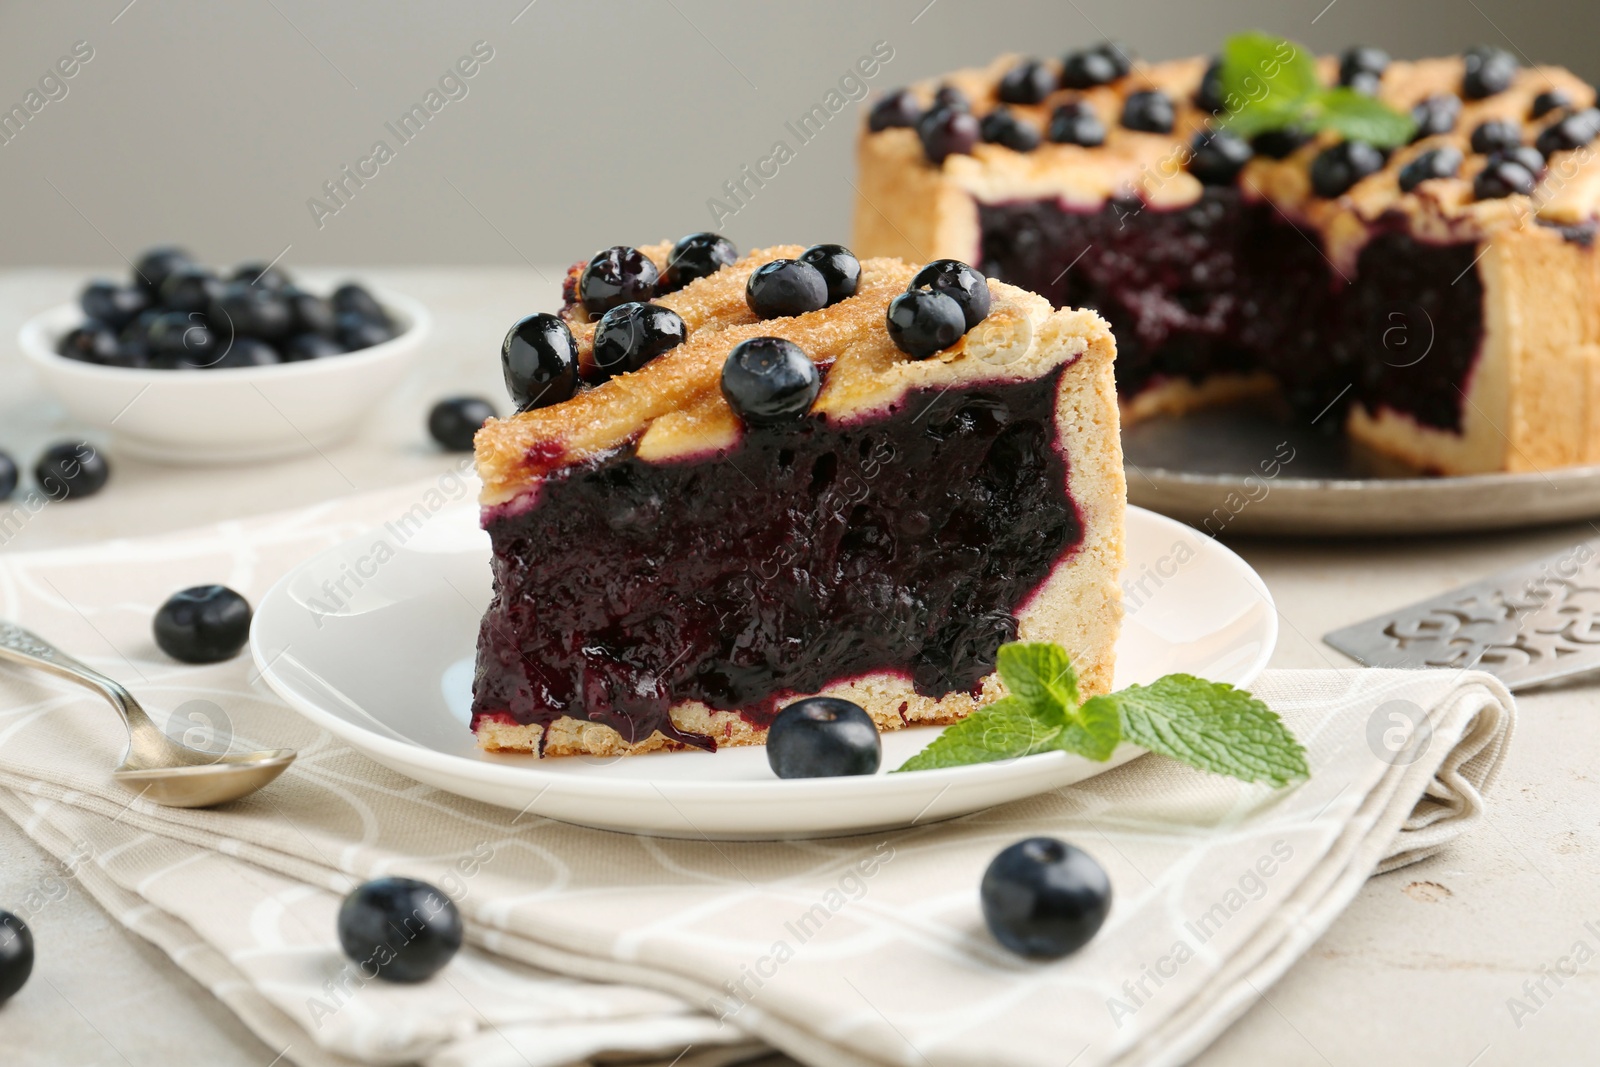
[(866, 950)]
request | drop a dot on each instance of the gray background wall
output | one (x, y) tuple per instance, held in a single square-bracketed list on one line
[(212, 123)]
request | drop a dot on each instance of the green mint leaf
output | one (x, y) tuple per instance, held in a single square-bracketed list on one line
[(1212, 726), (1261, 72), (1040, 674), (1361, 118), (1008, 728), (1094, 730)]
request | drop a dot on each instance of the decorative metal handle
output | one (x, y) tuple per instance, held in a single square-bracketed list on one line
[(28, 649)]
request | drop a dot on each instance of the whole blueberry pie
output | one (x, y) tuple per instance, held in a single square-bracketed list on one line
[(736, 482), (1439, 299)]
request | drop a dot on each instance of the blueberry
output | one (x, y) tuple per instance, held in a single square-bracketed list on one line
[(1488, 71), (1548, 101), (8, 476), (454, 420), (1340, 166), (1118, 53), (305, 346), (202, 624), (190, 288), (113, 304), (1279, 144), (246, 310), (1044, 899), (1529, 157), (1502, 177), (154, 266), (354, 299), (246, 352), (961, 283), (1573, 131), (1002, 127), (1442, 162), (133, 344), (786, 287), (922, 322), (768, 381), (71, 470), (399, 928), (617, 275), (947, 131), (1435, 115), (1077, 123), (1094, 66), (1210, 96), (181, 338), (262, 275), (1361, 59), (1026, 83), (16, 955), (1218, 157), (823, 737), (539, 359), (1149, 110), (950, 96), (1365, 82), (631, 335), (1496, 135), (356, 332), (696, 256), (893, 110), (839, 267), (312, 313), (93, 342)]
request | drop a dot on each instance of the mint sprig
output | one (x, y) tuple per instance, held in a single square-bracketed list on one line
[(1209, 725), (1269, 83)]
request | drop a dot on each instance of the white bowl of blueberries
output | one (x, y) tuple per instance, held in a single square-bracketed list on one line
[(183, 365)]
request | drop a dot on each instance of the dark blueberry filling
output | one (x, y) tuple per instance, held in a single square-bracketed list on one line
[(809, 554), (1224, 286)]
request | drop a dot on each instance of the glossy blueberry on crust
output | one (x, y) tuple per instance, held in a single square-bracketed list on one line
[(539, 360), (401, 929), (202, 624), (113, 304), (1044, 899), (1496, 135), (1076, 122), (1278, 144), (71, 470), (1548, 101), (785, 287), (1502, 177), (16, 955), (1149, 110), (1573, 131), (1120, 55), (631, 335), (1488, 71), (1435, 115), (1002, 127), (1026, 83), (93, 342), (961, 283), (153, 267), (947, 131), (839, 267), (1338, 167), (190, 288), (768, 381), (454, 420), (307, 346), (1528, 156), (617, 275), (1442, 162), (899, 108), (8, 476), (1210, 96), (1217, 158), (699, 255), (1105, 62), (1365, 82), (950, 96), (923, 322), (1361, 59), (823, 737)]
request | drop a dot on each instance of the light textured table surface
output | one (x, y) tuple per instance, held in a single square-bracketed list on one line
[(1420, 970)]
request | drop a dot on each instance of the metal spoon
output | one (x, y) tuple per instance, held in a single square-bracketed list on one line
[(156, 766)]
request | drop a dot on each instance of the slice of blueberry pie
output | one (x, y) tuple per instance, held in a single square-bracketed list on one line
[(735, 482), (1404, 248)]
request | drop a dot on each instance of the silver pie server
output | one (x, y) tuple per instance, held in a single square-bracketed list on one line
[(155, 766)]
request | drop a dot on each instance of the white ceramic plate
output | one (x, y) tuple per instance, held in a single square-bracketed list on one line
[(380, 653)]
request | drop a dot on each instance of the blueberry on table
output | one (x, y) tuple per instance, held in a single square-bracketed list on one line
[(922, 322), (1044, 899), (93, 342), (961, 283), (71, 470), (631, 335), (946, 132), (399, 928), (154, 266), (768, 381), (352, 298), (823, 737), (356, 331), (262, 276), (454, 420), (190, 288), (242, 309), (539, 359), (246, 352), (16, 955), (113, 304), (785, 287), (699, 255), (616, 275), (203, 624), (8, 476), (896, 109), (305, 346), (840, 269)]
